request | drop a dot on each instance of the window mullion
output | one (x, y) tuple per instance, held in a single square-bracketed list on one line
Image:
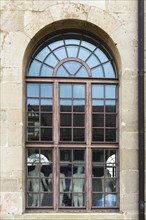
[(56, 111)]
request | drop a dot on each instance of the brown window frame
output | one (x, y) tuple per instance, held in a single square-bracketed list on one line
[(88, 145)]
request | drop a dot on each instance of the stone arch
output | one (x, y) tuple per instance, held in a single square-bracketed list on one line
[(71, 15)]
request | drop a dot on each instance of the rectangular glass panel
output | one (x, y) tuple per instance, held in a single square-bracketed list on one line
[(110, 91), (46, 119), (78, 105), (111, 135), (46, 105), (97, 106), (78, 120), (78, 91), (98, 91), (65, 120), (32, 90), (39, 164), (78, 134), (33, 133), (46, 90), (46, 134), (98, 120), (65, 105), (65, 134), (110, 106), (65, 91), (110, 120), (97, 134), (33, 105)]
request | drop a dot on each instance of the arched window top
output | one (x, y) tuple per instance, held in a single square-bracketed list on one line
[(72, 55)]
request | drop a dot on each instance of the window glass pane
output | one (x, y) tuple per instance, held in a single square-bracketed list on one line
[(110, 91), (78, 120), (109, 71), (92, 61), (79, 91), (65, 134), (97, 91), (65, 120), (111, 135), (33, 105), (34, 69), (97, 106), (98, 120), (110, 106), (65, 105), (61, 53), (56, 44), (46, 105), (43, 53), (72, 66), (65, 91), (72, 41), (33, 134), (78, 105), (46, 134), (46, 119), (46, 90), (110, 120), (88, 45), (98, 156), (78, 134), (97, 134), (97, 72), (32, 90), (72, 51), (83, 53), (65, 155), (33, 119), (103, 58), (51, 60), (46, 71), (82, 72), (79, 156), (62, 72)]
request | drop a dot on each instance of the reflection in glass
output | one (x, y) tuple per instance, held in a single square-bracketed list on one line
[(97, 72), (65, 120), (46, 90), (72, 51), (61, 53), (46, 71), (110, 106), (43, 53), (92, 61), (78, 155), (82, 72), (32, 90), (98, 156), (65, 105), (109, 70), (65, 134), (78, 134), (34, 68), (62, 72), (78, 120), (79, 91), (88, 45), (46, 134), (46, 119), (65, 91), (72, 66), (103, 58), (97, 106), (97, 134), (56, 44), (110, 91), (33, 119), (98, 120), (33, 134), (83, 54), (97, 91), (111, 135), (110, 120), (46, 105), (51, 60), (33, 105), (78, 105)]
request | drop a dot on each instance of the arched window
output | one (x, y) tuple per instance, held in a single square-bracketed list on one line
[(72, 124)]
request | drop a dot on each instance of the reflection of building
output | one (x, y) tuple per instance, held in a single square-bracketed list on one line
[(76, 65)]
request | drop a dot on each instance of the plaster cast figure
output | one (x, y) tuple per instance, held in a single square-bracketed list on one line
[(77, 187), (62, 186), (36, 184), (107, 184)]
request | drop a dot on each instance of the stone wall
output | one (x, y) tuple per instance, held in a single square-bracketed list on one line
[(23, 23)]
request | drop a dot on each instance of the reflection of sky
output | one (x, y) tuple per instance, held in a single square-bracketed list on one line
[(66, 91)]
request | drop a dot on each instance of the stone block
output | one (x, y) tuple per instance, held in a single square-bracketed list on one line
[(13, 48), (128, 159)]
